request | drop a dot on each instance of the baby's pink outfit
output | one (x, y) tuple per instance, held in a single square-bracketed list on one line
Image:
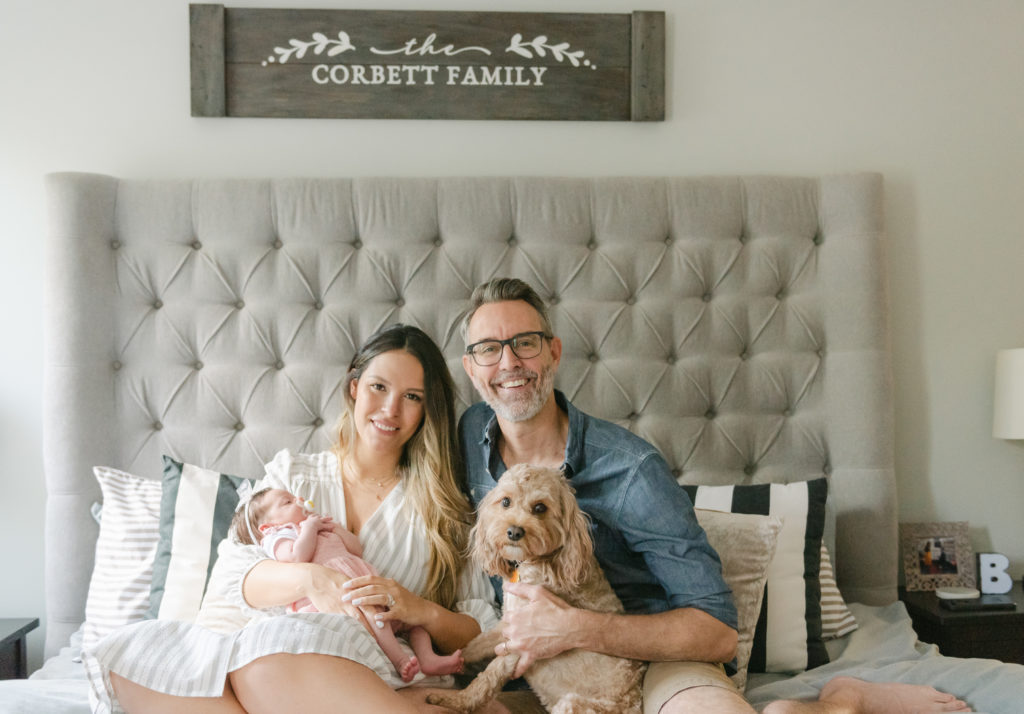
[(330, 551)]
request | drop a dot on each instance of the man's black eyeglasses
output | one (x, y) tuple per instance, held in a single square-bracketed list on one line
[(524, 346)]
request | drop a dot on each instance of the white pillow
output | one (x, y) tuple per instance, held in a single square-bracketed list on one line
[(125, 550), (746, 544)]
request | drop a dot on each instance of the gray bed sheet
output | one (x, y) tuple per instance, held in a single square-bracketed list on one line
[(885, 648)]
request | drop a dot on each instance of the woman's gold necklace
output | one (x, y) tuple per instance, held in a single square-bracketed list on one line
[(378, 493)]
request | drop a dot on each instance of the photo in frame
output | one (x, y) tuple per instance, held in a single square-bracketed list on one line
[(937, 555)]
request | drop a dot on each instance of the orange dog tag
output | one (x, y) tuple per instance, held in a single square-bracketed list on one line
[(515, 577)]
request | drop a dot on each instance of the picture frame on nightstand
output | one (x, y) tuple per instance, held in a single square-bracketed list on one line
[(937, 555)]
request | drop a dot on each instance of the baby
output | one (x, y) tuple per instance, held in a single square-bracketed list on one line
[(287, 530)]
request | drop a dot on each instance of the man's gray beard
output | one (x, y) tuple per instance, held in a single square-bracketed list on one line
[(525, 409)]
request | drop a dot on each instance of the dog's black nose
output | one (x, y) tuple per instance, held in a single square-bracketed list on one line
[(515, 532)]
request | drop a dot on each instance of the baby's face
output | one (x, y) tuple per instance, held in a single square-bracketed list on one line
[(283, 507)]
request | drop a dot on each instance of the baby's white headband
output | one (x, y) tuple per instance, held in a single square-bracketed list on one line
[(244, 500)]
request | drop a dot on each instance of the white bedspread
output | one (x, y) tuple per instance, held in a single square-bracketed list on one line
[(885, 649), (58, 687)]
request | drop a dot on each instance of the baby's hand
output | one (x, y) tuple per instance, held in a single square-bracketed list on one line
[(326, 523), (316, 521)]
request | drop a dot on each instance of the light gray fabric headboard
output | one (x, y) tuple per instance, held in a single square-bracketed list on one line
[(737, 323)]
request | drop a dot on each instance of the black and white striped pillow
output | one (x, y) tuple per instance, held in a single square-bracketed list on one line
[(125, 549), (788, 636)]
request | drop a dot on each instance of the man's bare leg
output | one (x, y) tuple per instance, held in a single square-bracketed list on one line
[(700, 700), (846, 695)]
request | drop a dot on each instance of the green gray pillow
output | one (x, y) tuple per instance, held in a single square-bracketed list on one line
[(196, 506)]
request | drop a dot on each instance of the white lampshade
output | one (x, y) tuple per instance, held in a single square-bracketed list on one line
[(1008, 413)]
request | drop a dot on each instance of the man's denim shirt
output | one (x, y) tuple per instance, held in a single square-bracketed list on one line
[(646, 536)]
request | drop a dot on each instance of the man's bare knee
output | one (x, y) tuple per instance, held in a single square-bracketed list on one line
[(707, 699)]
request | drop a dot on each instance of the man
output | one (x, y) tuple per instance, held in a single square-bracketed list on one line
[(679, 612)]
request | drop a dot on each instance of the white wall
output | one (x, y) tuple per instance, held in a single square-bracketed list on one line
[(928, 92)]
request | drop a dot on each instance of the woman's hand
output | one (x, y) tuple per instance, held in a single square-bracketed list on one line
[(399, 603), (326, 590)]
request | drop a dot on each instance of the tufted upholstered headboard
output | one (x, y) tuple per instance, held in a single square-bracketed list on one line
[(737, 323)]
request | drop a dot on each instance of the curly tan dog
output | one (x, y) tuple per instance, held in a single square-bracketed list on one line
[(530, 525)]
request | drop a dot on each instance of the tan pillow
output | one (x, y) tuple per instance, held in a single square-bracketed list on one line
[(746, 545)]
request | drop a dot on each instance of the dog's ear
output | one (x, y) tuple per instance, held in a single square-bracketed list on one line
[(573, 562), (484, 555)]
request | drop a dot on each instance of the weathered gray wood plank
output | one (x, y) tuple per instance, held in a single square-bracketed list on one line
[(647, 84), (206, 32)]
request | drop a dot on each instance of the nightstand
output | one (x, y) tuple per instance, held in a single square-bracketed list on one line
[(13, 646), (994, 634)]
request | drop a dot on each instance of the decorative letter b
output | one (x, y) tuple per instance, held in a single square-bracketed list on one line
[(992, 573)]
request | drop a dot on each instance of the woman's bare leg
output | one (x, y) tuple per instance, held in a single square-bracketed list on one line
[(136, 698), (312, 683)]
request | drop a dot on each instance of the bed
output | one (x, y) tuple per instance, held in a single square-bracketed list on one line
[(738, 323)]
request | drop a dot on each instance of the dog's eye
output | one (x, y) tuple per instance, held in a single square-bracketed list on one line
[(539, 508), (506, 502)]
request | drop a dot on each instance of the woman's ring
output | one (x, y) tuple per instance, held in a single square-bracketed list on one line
[(391, 600)]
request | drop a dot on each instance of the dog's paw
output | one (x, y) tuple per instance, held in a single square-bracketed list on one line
[(450, 701)]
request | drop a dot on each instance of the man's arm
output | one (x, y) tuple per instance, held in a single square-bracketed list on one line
[(545, 626)]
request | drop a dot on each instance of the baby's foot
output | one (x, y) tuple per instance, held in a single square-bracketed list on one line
[(410, 669)]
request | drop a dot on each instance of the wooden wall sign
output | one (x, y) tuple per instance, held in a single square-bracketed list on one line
[(376, 64)]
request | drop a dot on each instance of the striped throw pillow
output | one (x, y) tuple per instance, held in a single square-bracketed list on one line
[(125, 549), (836, 618), (788, 634), (195, 513)]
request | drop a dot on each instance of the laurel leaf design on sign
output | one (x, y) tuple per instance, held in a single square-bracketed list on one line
[(540, 46), (319, 43)]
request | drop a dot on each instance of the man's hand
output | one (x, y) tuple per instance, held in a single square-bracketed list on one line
[(537, 627)]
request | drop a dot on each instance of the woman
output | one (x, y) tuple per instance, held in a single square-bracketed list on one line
[(392, 479)]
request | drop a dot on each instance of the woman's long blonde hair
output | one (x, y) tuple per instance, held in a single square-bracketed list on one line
[(431, 463)]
